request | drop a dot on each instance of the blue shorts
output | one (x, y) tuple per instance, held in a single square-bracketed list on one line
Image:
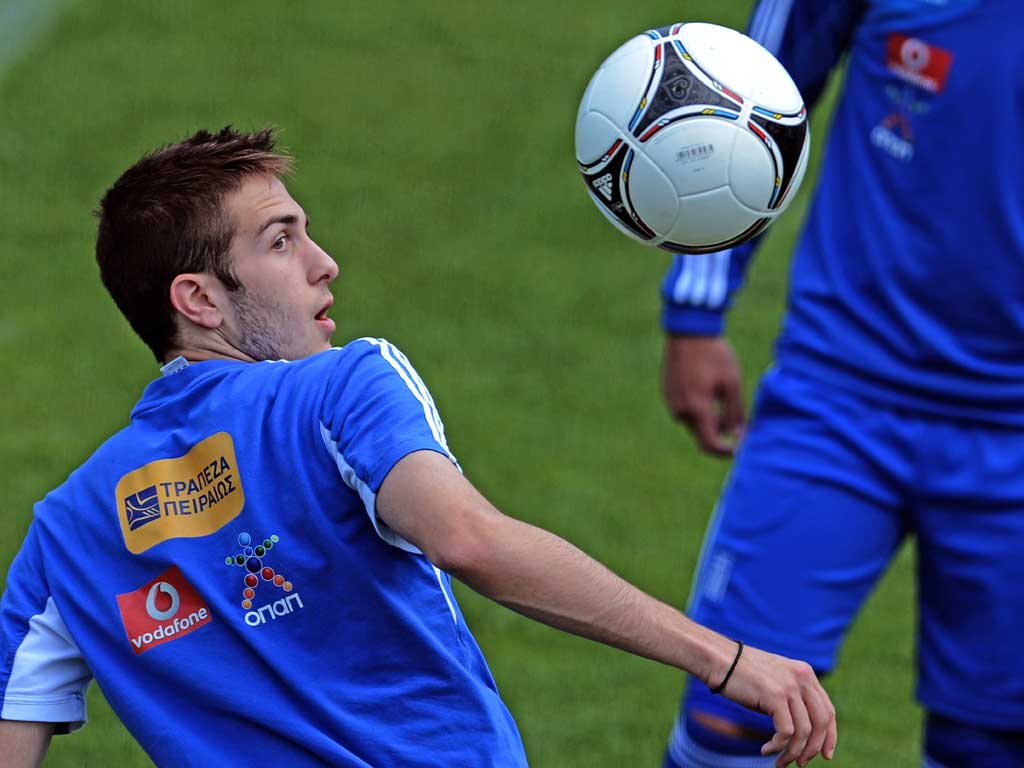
[(824, 489)]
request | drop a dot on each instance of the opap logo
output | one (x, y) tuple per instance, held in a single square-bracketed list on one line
[(164, 609), (250, 558), (894, 136)]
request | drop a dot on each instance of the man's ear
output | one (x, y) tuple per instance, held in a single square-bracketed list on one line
[(199, 298)]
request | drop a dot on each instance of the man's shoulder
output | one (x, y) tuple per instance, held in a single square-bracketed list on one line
[(105, 459), (354, 367), (365, 354), (366, 347), (281, 373)]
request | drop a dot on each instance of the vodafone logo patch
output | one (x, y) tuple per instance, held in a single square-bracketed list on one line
[(917, 62), (164, 609), (174, 599)]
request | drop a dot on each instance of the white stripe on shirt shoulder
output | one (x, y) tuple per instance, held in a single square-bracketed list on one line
[(408, 374)]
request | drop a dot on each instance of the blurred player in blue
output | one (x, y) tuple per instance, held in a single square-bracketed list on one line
[(256, 569), (896, 404)]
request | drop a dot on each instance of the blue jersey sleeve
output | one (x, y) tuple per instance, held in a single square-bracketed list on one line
[(377, 410), (808, 37), (43, 677), (698, 288)]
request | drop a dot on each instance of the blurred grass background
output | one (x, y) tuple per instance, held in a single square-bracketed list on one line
[(435, 159)]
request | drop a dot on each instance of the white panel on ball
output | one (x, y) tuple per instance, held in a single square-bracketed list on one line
[(752, 171), (595, 134), (711, 218), (653, 196), (694, 153), (775, 89), (721, 52), (619, 84)]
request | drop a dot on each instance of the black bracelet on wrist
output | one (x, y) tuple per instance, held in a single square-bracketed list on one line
[(721, 685)]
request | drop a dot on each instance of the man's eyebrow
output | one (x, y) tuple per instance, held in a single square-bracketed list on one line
[(289, 219)]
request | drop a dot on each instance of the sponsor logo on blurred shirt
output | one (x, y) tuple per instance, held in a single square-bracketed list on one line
[(192, 495), (917, 62), (894, 136), (161, 610)]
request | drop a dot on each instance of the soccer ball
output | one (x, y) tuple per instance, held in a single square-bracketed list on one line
[(692, 138)]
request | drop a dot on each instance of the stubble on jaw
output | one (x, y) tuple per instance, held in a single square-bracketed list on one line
[(259, 336)]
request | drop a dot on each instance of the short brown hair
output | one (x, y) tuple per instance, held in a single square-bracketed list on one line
[(165, 217)]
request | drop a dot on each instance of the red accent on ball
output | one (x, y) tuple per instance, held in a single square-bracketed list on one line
[(267, 574)]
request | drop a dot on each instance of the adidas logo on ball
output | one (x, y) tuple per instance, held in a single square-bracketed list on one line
[(604, 185)]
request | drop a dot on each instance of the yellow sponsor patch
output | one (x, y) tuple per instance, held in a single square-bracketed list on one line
[(192, 495)]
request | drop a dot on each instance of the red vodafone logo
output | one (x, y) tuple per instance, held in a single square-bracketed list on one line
[(918, 62), (914, 54), (170, 597), (164, 609)]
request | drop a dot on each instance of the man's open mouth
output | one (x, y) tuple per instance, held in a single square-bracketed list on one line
[(322, 314)]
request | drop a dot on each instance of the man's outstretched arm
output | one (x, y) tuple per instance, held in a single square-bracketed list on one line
[(23, 745), (430, 504)]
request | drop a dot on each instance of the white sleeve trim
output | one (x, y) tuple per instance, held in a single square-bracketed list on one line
[(440, 583), (49, 677), (356, 483), (703, 279), (400, 363)]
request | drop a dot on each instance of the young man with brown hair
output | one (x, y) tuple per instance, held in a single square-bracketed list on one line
[(257, 567)]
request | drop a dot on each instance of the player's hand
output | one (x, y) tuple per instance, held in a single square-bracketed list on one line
[(789, 691), (702, 388)]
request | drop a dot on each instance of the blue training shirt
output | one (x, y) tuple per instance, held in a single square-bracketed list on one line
[(908, 280), (219, 567)]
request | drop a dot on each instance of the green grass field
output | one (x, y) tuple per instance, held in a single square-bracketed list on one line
[(435, 155)]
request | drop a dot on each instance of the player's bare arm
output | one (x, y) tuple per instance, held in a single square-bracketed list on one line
[(429, 503), (701, 384), (22, 744)]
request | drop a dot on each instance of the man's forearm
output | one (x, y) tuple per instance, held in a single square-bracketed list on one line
[(544, 577), (426, 501), (23, 744)]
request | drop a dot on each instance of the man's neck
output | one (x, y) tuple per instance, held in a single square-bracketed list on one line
[(198, 354)]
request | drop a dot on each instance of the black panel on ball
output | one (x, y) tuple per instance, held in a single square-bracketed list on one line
[(679, 87), (605, 186), (790, 140)]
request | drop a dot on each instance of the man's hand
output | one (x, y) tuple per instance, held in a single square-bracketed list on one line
[(789, 691), (702, 388)]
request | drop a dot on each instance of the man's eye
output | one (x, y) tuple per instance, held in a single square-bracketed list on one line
[(280, 243)]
